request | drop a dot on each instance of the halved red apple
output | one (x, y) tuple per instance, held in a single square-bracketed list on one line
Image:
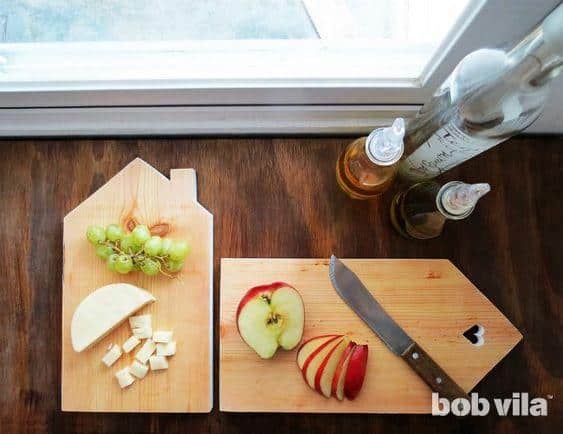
[(337, 387), (325, 373), (269, 316), (356, 371)]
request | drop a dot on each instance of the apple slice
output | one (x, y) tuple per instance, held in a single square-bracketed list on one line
[(325, 373), (356, 371), (310, 346), (269, 316), (340, 372), (315, 360)]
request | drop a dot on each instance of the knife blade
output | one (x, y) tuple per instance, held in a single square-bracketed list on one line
[(351, 289)]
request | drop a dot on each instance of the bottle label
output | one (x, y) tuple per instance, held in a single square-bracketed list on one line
[(446, 148)]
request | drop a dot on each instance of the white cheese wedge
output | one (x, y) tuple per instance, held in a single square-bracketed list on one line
[(158, 362), (103, 310), (142, 332), (168, 349), (112, 355), (146, 351), (130, 343), (138, 369), (124, 378), (163, 336), (140, 321)]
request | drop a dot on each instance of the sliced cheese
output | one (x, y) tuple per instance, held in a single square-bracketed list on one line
[(138, 369), (158, 362), (163, 336), (124, 378), (103, 310), (146, 351), (168, 349), (144, 332), (140, 321), (130, 343), (112, 355)]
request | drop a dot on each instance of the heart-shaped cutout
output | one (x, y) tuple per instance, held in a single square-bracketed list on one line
[(475, 334)]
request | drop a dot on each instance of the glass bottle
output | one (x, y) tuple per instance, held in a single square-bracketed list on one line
[(422, 210), (490, 96), (368, 166)]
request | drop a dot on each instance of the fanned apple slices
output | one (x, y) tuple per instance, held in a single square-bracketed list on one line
[(333, 365)]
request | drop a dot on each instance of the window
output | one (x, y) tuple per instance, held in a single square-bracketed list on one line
[(80, 40), (353, 62)]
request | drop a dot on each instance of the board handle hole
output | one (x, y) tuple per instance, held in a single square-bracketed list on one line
[(475, 335)]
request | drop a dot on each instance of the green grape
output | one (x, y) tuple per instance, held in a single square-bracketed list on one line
[(179, 250), (172, 266), (150, 267), (124, 264), (128, 245), (141, 234), (104, 252), (96, 234), (112, 260), (166, 244), (114, 232), (153, 246)]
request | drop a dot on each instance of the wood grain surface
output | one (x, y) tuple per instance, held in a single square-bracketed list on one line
[(141, 194), (278, 198), (429, 298)]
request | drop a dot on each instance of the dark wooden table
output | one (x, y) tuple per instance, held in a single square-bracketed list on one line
[(279, 198)]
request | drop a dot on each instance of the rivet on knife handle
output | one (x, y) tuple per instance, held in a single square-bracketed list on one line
[(431, 373)]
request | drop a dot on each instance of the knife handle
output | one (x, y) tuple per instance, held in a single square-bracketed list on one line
[(431, 373)]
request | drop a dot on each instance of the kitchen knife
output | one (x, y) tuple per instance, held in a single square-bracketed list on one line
[(355, 294)]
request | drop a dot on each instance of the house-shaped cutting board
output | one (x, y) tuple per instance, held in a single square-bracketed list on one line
[(139, 193), (430, 298)]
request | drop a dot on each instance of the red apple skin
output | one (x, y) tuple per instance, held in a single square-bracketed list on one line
[(314, 353), (340, 365), (356, 371)]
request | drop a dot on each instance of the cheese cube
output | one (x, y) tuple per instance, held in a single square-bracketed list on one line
[(158, 362), (163, 336), (140, 321), (130, 343), (112, 355), (124, 378), (168, 349), (138, 369), (142, 332), (146, 351)]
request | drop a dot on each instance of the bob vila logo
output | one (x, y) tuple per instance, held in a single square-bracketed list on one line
[(519, 404)]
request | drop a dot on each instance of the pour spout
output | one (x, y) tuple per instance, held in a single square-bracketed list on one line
[(460, 198)]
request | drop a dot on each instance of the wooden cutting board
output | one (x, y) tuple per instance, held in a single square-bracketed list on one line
[(184, 305), (430, 298)]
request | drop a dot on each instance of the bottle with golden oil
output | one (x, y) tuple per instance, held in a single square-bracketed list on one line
[(422, 210), (368, 166)]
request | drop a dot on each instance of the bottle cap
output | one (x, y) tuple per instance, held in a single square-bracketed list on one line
[(384, 146), (475, 69), (457, 199)]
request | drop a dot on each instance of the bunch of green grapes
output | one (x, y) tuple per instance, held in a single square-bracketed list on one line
[(137, 250)]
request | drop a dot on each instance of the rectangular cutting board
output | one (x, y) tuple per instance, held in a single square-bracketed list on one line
[(430, 298), (169, 207)]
